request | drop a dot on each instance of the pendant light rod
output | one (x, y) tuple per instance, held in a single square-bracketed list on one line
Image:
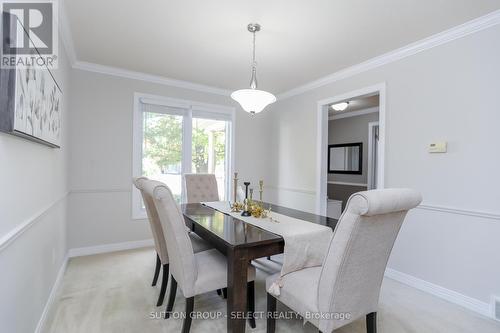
[(253, 28)]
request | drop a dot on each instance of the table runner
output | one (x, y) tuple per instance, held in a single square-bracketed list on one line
[(306, 243)]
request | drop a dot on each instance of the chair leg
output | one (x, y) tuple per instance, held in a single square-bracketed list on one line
[(219, 292), (271, 309), (171, 297), (164, 282), (268, 257), (189, 311), (224, 292), (157, 270), (251, 303), (371, 322)]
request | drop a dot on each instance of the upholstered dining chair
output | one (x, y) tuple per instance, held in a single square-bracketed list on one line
[(195, 273), (200, 187), (347, 285), (162, 259)]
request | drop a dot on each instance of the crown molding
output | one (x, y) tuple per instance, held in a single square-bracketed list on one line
[(128, 74), (66, 35), (470, 27), (465, 29), (69, 46)]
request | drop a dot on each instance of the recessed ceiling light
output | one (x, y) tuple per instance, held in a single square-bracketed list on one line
[(340, 106)]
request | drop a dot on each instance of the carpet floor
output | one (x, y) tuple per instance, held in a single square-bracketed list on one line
[(112, 293)]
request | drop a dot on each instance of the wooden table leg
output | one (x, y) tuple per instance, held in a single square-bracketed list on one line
[(237, 270)]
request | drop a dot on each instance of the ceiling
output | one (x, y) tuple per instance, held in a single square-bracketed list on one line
[(206, 42), (356, 104)]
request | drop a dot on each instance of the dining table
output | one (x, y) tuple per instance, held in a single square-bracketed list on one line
[(241, 242)]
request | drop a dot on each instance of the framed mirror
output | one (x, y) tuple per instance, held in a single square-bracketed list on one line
[(345, 158)]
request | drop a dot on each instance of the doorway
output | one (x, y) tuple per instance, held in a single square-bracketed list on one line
[(375, 145)]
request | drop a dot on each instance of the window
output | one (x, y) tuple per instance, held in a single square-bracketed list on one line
[(173, 137)]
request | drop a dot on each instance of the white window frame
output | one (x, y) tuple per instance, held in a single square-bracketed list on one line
[(197, 109)]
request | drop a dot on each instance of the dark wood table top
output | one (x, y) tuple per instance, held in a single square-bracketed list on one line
[(241, 242), (234, 232)]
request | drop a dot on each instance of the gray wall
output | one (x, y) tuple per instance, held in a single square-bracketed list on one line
[(349, 130), (33, 204), (101, 155), (449, 92)]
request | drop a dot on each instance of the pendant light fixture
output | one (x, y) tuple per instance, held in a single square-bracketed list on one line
[(253, 100)]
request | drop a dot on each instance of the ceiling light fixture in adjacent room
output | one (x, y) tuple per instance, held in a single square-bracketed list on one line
[(340, 106), (253, 100)]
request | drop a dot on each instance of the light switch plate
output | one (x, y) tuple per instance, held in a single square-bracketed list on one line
[(438, 147)]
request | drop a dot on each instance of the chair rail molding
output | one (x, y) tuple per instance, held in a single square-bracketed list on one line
[(291, 189), (99, 190), (21, 228), (458, 211), (333, 182), (463, 30)]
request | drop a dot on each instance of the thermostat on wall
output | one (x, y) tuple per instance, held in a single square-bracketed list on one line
[(438, 147)]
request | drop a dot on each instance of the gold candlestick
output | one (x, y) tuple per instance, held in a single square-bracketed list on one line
[(235, 206), (261, 189)]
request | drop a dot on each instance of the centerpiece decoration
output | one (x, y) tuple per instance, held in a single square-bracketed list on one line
[(248, 207)]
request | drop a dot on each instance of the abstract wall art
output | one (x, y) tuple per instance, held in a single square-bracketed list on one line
[(30, 103)]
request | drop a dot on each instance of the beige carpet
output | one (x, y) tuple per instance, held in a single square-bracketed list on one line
[(112, 293)]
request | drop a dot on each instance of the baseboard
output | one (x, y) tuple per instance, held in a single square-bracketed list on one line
[(441, 292), (52, 296), (85, 251)]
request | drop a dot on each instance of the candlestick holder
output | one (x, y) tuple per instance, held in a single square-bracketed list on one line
[(236, 206), (261, 189), (246, 202)]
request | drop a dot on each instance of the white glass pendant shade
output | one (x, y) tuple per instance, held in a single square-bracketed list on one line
[(253, 100)]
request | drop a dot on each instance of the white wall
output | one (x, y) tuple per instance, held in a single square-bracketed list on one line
[(33, 179), (101, 155), (450, 92)]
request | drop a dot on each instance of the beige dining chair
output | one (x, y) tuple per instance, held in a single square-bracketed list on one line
[(195, 273), (162, 259), (200, 187), (347, 285)]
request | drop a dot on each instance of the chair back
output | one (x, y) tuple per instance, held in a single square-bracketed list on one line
[(354, 266), (200, 187), (180, 249), (154, 220)]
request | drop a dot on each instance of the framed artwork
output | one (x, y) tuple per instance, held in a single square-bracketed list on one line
[(30, 103)]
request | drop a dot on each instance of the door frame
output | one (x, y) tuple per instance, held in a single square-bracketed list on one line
[(371, 126), (322, 139)]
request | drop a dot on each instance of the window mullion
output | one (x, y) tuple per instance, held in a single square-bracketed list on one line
[(187, 131)]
